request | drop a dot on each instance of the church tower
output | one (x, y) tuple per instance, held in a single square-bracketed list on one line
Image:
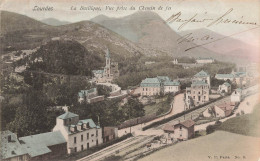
[(108, 64)]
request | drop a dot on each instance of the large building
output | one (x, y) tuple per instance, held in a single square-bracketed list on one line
[(224, 88), (109, 73), (79, 134), (240, 78), (204, 60), (198, 93), (158, 85)]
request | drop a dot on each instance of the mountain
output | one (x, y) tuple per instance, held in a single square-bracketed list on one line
[(227, 46), (92, 36), (54, 22), (149, 30)]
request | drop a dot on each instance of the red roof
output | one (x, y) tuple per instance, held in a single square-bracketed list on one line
[(168, 127), (226, 107), (187, 123)]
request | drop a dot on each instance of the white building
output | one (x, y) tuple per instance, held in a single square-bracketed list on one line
[(204, 60), (202, 76), (236, 96), (79, 134), (224, 88)]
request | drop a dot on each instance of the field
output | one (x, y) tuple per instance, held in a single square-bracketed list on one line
[(247, 124), (219, 145)]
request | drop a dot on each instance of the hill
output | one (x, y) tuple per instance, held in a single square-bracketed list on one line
[(150, 31), (54, 22), (219, 144), (227, 46), (65, 57)]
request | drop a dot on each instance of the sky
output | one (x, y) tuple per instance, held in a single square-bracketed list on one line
[(242, 10)]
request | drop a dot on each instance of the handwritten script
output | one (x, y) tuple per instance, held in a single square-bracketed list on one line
[(223, 19)]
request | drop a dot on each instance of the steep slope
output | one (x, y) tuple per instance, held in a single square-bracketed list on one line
[(150, 31), (225, 45)]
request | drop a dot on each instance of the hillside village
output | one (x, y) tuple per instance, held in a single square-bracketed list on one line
[(97, 104)]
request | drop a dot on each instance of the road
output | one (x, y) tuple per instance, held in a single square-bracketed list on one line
[(178, 106)]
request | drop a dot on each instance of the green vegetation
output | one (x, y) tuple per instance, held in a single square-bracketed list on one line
[(65, 57), (161, 107), (247, 124)]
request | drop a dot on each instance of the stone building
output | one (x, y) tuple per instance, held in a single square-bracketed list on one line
[(224, 88), (158, 85), (109, 133), (197, 94), (180, 131), (109, 73), (79, 134), (236, 96), (204, 60)]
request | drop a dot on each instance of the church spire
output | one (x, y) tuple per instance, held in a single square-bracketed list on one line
[(107, 54)]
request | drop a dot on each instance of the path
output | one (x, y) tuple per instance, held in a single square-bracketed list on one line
[(178, 106)]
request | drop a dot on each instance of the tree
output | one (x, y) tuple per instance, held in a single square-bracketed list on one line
[(31, 116), (134, 108)]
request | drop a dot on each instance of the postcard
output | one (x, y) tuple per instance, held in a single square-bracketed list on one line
[(116, 80)]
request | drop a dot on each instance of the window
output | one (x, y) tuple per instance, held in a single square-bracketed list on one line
[(81, 137), (87, 135), (82, 147), (96, 132), (97, 142), (75, 149), (143, 89), (75, 140), (180, 127), (87, 145)]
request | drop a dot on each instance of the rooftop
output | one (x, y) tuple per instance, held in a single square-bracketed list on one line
[(38, 144), (187, 123), (226, 84), (201, 74), (198, 83), (12, 148), (67, 115), (224, 76)]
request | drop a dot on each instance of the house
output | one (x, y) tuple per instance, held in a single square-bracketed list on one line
[(109, 73), (204, 60), (45, 146), (223, 110), (225, 77), (79, 134), (180, 131), (158, 85), (109, 133), (224, 88), (220, 110), (90, 96), (236, 77), (198, 92), (11, 148), (236, 96), (202, 76)]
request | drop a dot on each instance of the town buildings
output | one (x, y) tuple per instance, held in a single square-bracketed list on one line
[(180, 131), (158, 85), (204, 60), (236, 96), (240, 78), (79, 134), (220, 110), (109, 73), (11, 148), (198, 93), (45, 146), (89, 96), (224, 88)]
